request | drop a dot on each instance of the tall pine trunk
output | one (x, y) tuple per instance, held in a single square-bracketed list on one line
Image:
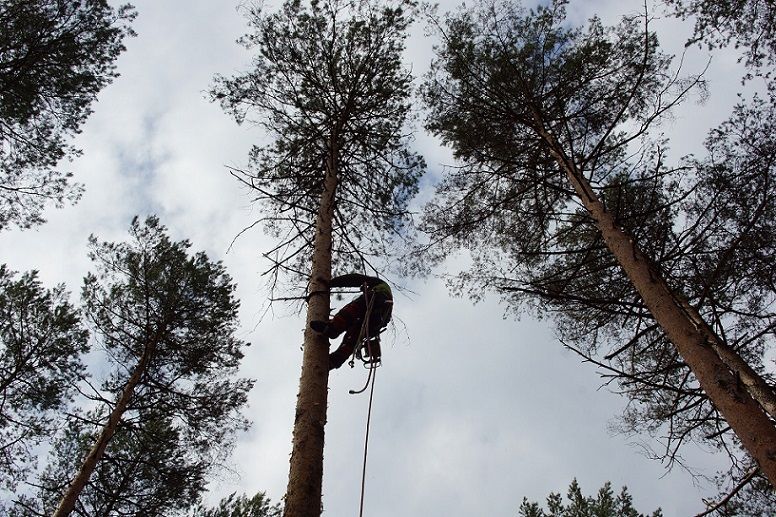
[(303, 495), (757, 387), (754, 383), (67, 503), (694, 340)]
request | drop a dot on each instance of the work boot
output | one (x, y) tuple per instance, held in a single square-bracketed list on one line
[(319, 326)]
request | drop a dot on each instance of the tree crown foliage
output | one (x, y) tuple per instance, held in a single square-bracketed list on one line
[(328, 83), (55, 57), (514, 91), (155, 308), (605, 504), (504, 78), (749, 25), (150, 296), (41, 342), (241, 505)]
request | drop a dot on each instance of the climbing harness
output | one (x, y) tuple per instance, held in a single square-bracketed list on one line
[(367, 349), (369, 352)]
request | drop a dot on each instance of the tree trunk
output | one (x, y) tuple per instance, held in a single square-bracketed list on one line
[(67, 503), (757, 387), (693, 338), (760, 390), (303, 495)]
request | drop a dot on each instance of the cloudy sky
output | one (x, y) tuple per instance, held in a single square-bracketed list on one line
[(472, 411)]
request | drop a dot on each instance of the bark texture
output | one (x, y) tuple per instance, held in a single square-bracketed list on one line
[(757, 387), (67, 503), (760, 390), (303, 495), (693, 338)]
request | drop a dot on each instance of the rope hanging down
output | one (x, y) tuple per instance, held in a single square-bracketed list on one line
[(365, 341), (366, 442), (364, 338)]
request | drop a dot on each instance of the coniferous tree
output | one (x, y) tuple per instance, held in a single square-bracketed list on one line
[(146, 469), (41, 341), (727, 264), (605, 504), (562, 200), (749, 25), (166, 320), (241, 506), (739, 177), (55, 57), (328, 83)]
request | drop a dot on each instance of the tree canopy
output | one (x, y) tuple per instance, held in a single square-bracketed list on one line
[(41, 343), (328, 78), (235, 505), (605, 504), (533, 107), (55, 57), (169, 404), (150, 290)]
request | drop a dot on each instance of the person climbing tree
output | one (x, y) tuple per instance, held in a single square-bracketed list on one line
[(336, 174), (349, 319)]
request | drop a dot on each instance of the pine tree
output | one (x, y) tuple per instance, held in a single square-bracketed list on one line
[(55, 57), (241, 506), (603, 505), (166, 320), (563, 198), (41, 343), (328, 83)]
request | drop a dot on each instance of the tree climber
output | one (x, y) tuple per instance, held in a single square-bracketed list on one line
[(350, 318)]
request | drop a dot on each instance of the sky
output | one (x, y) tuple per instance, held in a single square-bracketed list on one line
[(473, 410)]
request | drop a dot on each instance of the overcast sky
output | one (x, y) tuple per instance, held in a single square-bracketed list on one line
[(472, 411)]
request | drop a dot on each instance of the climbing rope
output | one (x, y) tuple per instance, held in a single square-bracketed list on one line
[(364, 338), (363, 335), (366, 385), (372, 376), (369, 300)]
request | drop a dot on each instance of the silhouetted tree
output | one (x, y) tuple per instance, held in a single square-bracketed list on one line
[(605, 504), (241, 506), (328, 84), (41, 341), (749, 25), (561, 200), (55, 57), (167, 321), (146, 469)]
